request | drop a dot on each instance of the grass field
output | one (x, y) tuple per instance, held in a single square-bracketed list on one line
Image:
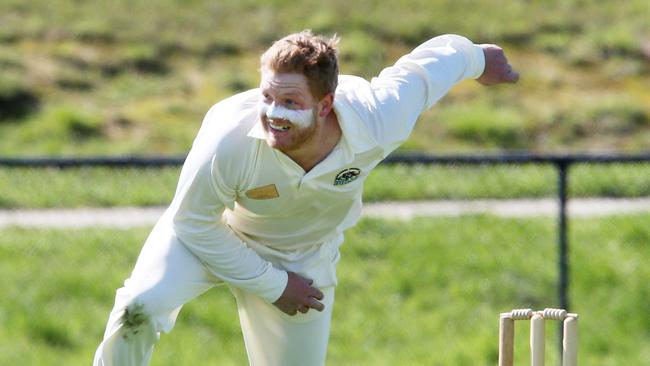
[(105, 187), (124, 77), (426, 292), (119, 78)]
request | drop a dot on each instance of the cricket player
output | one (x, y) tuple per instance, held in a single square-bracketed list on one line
[(272, 181)]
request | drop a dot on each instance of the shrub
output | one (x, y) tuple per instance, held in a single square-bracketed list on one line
[(76, 124), (618, 117), (486, 125), (138, 57), (145, 59), (363, 53), (16, 99), (606, 117), (94, 30)]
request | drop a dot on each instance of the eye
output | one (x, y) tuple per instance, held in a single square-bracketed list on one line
[(291, 103), (266, 97)]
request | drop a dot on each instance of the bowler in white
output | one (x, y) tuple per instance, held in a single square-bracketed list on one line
[(272, 181)]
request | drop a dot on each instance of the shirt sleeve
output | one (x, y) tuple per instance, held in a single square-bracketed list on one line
[(198, 223), (400, 93)]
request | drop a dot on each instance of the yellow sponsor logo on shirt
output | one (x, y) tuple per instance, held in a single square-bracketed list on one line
[(263, 193)]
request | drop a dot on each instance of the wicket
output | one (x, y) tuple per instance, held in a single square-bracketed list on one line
[(507, 335)]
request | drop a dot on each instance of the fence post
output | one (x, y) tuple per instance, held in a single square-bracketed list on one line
[(563, 245), (563, 260)]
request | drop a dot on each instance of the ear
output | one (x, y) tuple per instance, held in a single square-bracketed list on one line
[(326, 104)]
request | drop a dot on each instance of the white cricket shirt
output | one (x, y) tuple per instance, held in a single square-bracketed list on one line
[(250, 213)]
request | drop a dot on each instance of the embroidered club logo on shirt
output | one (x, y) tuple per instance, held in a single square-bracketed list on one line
[(263, 193), (347, 176)]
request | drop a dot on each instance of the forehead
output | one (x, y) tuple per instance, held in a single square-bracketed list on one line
[(284, 83)]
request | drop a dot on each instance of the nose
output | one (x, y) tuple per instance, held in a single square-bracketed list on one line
[(273, 112)]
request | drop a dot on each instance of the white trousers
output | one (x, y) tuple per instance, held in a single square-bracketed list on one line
[(166, 276)]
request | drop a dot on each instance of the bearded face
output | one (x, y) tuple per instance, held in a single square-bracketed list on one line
[(287, 110)]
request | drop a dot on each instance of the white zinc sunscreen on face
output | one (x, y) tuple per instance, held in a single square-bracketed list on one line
[(302, 118)]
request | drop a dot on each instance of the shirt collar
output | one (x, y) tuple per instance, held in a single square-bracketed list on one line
[(257, 131), (355, 132)]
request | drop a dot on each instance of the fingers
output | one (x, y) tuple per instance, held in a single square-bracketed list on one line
[(300, 295), (510, 77), (313, 291), (505, 74), (311, 302), (497, 68), (314, 304), (316, 293)]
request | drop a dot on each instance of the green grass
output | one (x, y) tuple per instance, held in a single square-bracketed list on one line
[(142, 87), (106, 187), (425, 292), (78, 187)]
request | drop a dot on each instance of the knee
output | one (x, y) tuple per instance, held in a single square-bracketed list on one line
[(140, 309), (136, 320)]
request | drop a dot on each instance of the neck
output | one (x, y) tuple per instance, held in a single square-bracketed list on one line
[(320, 145)]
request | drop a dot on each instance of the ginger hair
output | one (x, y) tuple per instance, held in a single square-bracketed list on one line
[(311, 55)]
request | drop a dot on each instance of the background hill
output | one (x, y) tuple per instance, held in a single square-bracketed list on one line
[(125, 77)]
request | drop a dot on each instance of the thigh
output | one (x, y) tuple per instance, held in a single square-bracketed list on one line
[(165, 277), (274, 338)]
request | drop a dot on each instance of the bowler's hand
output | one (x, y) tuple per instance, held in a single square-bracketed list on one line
[(497, 69), (299, 296)]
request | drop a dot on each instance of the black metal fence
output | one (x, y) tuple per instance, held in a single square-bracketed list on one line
[(562, 163)]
